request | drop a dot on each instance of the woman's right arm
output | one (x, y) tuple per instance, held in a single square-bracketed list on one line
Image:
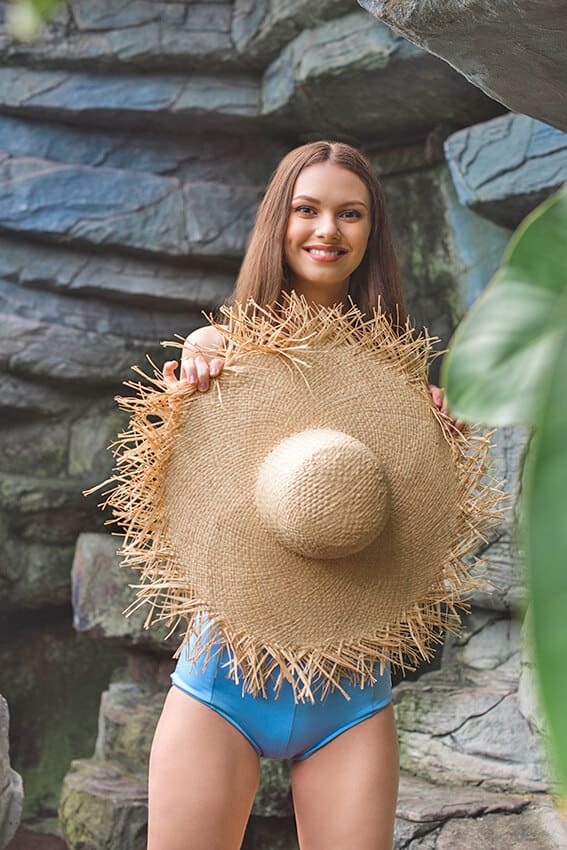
[(202, 359)]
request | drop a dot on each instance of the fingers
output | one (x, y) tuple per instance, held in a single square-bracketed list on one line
[(195, 371), (438, 396), (216, 366), (169, 368)]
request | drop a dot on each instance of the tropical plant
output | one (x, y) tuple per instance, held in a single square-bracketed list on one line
[(507, 365)]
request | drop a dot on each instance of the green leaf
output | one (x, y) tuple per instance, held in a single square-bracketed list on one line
[(27, 17), (495, 369), (544, 521)]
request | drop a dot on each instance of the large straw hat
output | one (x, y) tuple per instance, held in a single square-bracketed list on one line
[(310, 505)]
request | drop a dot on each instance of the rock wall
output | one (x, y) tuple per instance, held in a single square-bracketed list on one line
[(11, 787), (515, 52), (135, 141)]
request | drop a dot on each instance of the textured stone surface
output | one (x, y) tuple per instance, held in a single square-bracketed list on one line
[(101, 593), (127, 720), (103, 807), (86, 314), (41, 514), (261, 28), (504, 167), (529, 830), (500, 554), (114, 207), (11, 786), (130, 34), (40, 350), (437, 243), (52, 679), (487, 641), (515, 53), (468, 728), (23, 399), (181, 292), (226, 102), (212, 157), (327, 76), (423, 802), (34, 575)]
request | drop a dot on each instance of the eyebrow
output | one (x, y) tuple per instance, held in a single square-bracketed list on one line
[(316, 201)]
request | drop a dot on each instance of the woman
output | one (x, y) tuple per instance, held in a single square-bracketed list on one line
[(322, 230)]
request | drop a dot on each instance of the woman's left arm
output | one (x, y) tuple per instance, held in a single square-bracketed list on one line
[(438, 396)]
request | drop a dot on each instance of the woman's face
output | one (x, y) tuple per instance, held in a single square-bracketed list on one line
[(327, 231)]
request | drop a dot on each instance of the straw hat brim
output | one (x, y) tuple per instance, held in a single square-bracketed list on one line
[(193, 529)]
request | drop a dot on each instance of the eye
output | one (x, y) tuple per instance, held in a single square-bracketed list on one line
[(303, 209), (351, 213)]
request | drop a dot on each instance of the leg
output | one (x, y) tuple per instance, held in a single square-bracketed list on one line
[(202, 779), (345, 793)]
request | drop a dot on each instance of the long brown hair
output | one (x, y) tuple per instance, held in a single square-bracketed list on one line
[(262, 274)]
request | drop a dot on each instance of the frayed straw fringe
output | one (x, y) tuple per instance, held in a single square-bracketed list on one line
[(136, 499)]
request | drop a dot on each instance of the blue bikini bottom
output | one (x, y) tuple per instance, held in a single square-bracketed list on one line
[(279, 728)]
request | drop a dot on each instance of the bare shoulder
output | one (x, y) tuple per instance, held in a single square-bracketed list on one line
[(205, 337)]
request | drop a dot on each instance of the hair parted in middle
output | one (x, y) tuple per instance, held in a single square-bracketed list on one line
[(262, 275)]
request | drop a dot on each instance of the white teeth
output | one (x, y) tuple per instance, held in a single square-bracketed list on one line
[(319, 253)]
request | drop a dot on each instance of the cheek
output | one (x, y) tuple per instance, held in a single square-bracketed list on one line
[(293, 233), (294, 239), (362, 242)]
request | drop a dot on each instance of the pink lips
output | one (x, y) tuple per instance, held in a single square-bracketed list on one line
[(330, 258)]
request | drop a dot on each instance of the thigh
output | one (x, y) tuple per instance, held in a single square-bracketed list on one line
[(203, 776), (345, 793)]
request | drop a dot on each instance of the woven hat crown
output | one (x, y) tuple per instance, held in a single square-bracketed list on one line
[(322, 494)]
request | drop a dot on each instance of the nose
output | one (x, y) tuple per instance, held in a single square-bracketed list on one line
[(327, 227)]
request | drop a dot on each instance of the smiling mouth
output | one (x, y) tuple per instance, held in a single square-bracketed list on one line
[(328, 252)]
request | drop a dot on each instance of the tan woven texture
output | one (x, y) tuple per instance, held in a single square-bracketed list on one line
[(310, 504)]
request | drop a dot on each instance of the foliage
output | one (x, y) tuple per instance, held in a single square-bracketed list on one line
[(26, 17), (506, 365)]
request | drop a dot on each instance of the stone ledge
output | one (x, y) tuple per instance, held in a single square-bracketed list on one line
[(446, 817), (132, 34), (327, 77), (103, 807), (118, 208), (137, 283), (198, 157), (37, 349), (514, 53), (168, 101), (504, 167)]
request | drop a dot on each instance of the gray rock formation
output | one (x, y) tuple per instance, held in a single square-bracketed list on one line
[(513, 52), (327, 78), (280, 77), (433, 817), (11, 787), (95, 578), (503, 168), (52, 680)]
